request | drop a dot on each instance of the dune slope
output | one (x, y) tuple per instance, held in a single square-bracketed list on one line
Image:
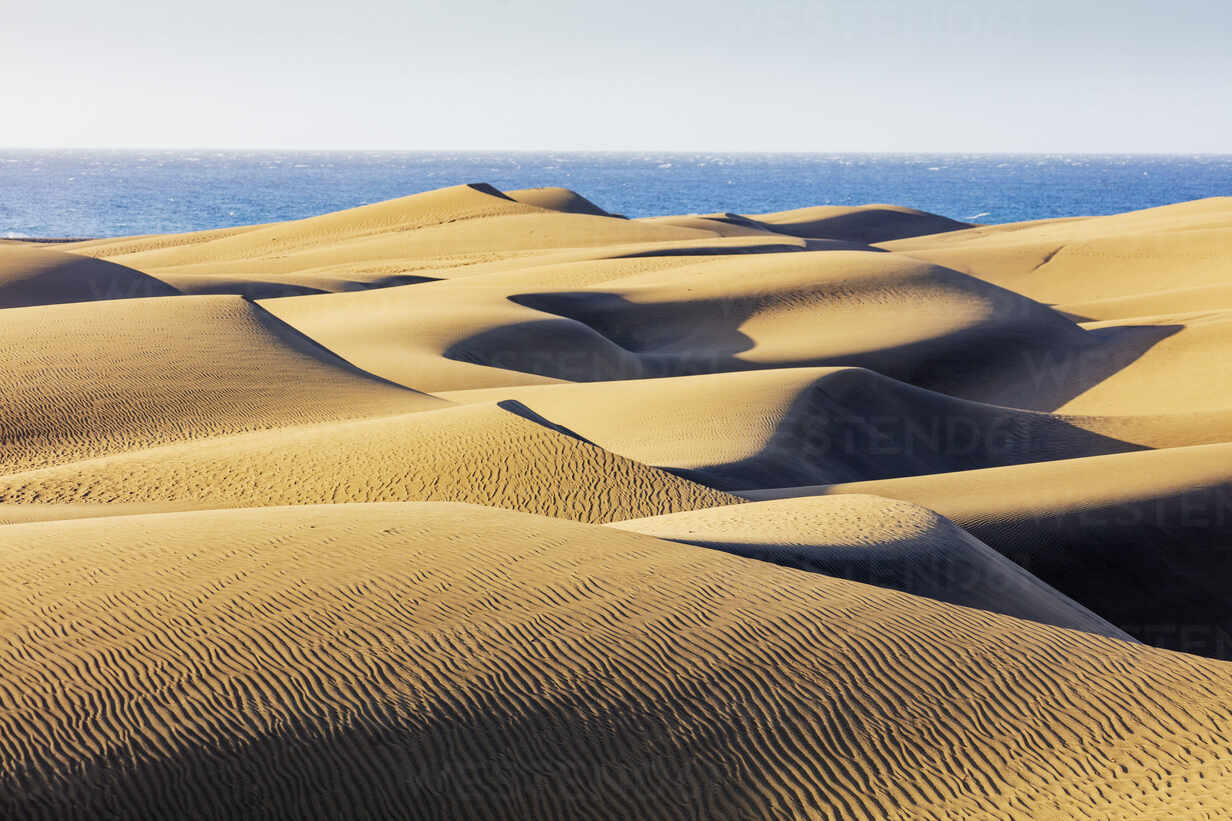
[(1141, 538), (31, 275), (884, 542), (797, 426), (864, 223), (1060, 261), (95, 378), (499, 455), (557, 199), (452, 661)]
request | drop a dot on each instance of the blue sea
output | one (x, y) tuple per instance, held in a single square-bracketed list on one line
[(76, 193)]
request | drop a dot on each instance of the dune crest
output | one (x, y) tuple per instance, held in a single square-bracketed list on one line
[(557, 199)]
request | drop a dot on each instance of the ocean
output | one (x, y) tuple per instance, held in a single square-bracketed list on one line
[(77, 193)]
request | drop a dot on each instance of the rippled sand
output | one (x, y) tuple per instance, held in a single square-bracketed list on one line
[(483, 504)]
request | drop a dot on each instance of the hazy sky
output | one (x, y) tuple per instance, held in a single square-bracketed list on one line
[(834, 75)]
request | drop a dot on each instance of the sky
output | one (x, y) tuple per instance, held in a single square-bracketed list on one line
[(773, 75)]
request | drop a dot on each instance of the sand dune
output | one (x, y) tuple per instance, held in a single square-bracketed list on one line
[(260, 286), (30, 275), (854, 227), (496, 455), (781, 426), (720, 313), (466, 219), (557, 199), (94, 378), (392, 262), (1140, 538), (1187, 370), (115, 246), (878, 541), (840, 308), (725, 225), (865, 223), (434, 208), (300, 519), (448, 661), (1168, 301), (20, 514), (1062, 261)]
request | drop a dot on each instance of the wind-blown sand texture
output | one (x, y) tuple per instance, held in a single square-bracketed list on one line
[(497, 504)]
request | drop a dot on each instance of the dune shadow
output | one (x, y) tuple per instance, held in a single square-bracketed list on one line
[(555, 347), (296, 339), (29, 279), (1025, 356), (1054, 376), (585, 337), (942, 563), (1158, 567), (246, 288), (655, 328), (868, 224), (856, 425), (391, 281), (518, 409), (461, 760), (203, 284), (752, 248)]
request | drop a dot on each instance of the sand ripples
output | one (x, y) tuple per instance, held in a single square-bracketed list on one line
[(437, 660), (520, 509)]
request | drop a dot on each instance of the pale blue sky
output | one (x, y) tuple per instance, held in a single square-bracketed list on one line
[(836, 75)]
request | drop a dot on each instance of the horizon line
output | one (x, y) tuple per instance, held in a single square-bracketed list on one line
[(736, 151)]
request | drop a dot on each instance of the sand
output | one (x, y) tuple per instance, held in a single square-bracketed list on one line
[(32, 275), (880, 541), (445, 660), (92, 378), (481, 503), (1140, 538)]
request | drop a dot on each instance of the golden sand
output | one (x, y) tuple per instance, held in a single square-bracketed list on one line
[(496, 504)]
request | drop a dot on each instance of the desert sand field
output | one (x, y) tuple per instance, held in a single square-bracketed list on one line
[(484, 504)]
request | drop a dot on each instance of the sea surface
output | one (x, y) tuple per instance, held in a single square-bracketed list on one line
[(75, 193)]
